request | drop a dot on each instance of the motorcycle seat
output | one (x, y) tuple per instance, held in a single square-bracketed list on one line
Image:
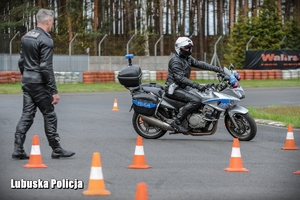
[(157, 91), (157, 85)]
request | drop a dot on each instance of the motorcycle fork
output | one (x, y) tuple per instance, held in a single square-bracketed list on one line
[(232, 119)]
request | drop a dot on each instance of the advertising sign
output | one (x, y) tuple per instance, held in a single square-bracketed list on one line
[(272, 59)]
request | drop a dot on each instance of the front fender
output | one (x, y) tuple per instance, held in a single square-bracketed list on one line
[(237, 109), (234, 110)]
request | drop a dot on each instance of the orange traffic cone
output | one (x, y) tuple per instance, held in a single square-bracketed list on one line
[(139, 161), (236, 164), (35, 158), (115, 107), (141, 192), (290, 142), (297, 172), (96, 183)]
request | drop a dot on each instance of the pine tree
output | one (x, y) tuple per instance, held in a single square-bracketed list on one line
[(265, 27), (292, 33), (237, 42)]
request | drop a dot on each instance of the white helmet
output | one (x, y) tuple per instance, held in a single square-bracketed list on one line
[(183, 42)]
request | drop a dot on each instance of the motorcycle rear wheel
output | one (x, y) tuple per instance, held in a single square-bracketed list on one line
[(146, 130), (247, 126)]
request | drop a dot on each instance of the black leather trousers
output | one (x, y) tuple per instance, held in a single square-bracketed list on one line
[(37, 96), (193, 102)]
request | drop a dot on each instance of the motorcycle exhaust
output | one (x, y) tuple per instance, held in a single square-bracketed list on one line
[(157, 123)]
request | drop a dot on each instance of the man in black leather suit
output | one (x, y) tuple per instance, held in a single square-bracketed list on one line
[(179, 70), (38, 85)]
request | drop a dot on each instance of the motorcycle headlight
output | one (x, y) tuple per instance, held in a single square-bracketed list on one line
[(237, 76), (225, 105), (232, 80)]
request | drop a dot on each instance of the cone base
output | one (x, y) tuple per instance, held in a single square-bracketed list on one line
[(35, 166), (236, 169), (290, 148), (96, 192), (115, 109), (139, 167), (297, 172)]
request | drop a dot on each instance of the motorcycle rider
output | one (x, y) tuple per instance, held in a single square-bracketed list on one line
[(179, 69)]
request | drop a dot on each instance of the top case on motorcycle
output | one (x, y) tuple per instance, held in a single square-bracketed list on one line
[(130, 76)]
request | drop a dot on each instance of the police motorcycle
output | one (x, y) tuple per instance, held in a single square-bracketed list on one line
[(154, 111)]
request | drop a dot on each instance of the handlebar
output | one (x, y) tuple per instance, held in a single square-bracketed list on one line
[(210, 85), (224, 76)]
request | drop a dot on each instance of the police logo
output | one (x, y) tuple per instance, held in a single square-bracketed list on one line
[(32, 34)]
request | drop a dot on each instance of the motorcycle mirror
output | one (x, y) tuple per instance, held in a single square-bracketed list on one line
[(231, 67)]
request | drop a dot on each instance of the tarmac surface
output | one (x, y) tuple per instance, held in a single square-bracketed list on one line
[(182, 167)]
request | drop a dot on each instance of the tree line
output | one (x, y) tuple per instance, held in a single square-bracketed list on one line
[(273, 24)]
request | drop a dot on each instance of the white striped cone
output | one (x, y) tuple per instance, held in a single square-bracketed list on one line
[(96, 183), (115, 107), (236, 164), (35, 159), (290, 142), (139, 160)]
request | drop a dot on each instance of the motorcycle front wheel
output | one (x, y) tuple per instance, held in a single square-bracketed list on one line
[(247, 128), (146, 130)]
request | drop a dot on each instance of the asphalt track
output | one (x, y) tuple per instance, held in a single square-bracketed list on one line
[(182, 167)]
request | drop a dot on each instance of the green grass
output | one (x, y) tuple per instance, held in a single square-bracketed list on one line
[(15, 88), (106, 87), (286, 114)]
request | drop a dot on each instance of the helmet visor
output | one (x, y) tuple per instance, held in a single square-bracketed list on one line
[(189, 46)]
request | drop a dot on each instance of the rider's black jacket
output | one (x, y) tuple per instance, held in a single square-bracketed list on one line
[(180, 69), (36, 56)]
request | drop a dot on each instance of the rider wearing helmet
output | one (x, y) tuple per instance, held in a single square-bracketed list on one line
[(179, 70)]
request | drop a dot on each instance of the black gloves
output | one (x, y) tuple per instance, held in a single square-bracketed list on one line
[(218, 69), (201, 88)]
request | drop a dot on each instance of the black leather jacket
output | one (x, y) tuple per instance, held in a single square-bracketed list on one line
[(36, 57), (180, 69)]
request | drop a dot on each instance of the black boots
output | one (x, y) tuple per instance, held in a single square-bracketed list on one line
[(19, 152), (182, 114), (58, 151), (176, 124), (20, 155)]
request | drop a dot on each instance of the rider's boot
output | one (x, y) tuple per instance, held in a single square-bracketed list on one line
[(182, 114), (177, 125)]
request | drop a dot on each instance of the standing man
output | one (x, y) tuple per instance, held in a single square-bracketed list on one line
[(38, 85)]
